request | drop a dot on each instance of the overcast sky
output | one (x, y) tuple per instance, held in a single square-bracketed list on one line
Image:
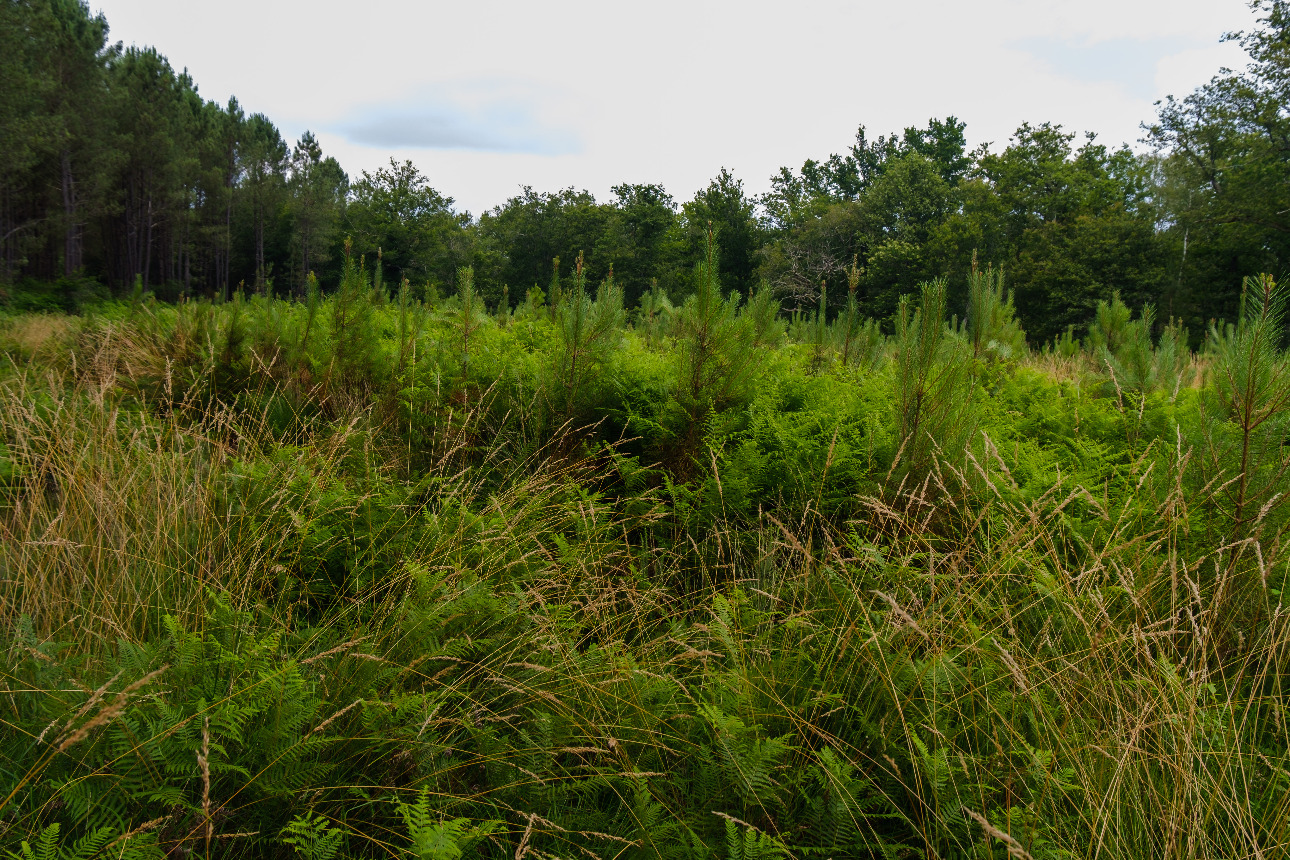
[(486, 97)]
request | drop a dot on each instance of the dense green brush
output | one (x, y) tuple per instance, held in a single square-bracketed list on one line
[(341, 579)]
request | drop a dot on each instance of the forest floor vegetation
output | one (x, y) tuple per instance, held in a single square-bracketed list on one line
[(376, 575)]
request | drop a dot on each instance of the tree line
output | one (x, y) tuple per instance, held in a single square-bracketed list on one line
[(116, 173)]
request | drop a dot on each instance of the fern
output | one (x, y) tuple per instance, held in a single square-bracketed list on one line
[(745, 842), (46, 848), (99, 844), (746, 759), (430, 839), (312, 838)]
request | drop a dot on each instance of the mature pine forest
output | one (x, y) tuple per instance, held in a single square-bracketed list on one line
[(933, 504)]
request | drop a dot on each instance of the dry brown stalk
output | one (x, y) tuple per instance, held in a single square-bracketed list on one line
[(1014, 847), (203, 762), (110, 711), (523, 847), (327, 722)]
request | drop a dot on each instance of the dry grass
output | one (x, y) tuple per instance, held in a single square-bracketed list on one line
[(42, 338), (991, 671)]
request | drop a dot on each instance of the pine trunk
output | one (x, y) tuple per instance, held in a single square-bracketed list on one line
[(71, 228)]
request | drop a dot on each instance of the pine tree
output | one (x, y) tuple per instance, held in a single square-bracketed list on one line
[(762, 313), (588, 330), (354, 337), (655, 314), (467, 316), (715, 341), (991, 322), (1247, 410), (935, 411), (859, 340)]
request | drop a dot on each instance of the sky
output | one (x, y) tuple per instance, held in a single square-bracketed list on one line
[(489, 96)]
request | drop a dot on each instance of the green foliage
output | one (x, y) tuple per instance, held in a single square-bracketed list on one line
[(357, 577), (354, 344), (1111, 327), (859, 341), (1173, 358), (715, 342), (395, 213), (656, 314), (762, 311), (935, 412), (989, 324), (311, 838), (887, 607), (1246, 413), (723, 212), (466, 316), (1133, 361), (1137, 368), (438, 840), (1067, 345), (588, 331), (749, 843), (1224, 194), (817, 332), (101, 842)]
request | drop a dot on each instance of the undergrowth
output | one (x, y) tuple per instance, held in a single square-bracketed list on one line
[(362, 577)]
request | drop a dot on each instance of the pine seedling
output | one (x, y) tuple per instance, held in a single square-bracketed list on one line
[(849, 320), (430, 294), (1173, 358), (935, 410), (411, 324), (762, 313), (466, 317), (715, 341), (355, 342), (859, 339), (1067, 345), (534, 300), (820, 332), (1134, 370), (1247, 409), (1133, 362), (990, 322), (313, 302), (655, 313), (588, 331), (1110, 326), (554, 296)]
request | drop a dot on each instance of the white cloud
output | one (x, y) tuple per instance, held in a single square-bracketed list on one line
[(485, 116), (1178, 74)]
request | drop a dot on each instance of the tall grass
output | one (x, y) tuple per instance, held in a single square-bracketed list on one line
[(245, 621)]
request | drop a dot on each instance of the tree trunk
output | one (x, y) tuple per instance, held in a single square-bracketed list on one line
[(71, 229), (147, 244), (228, 237), (259, 245), (304, 255)]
